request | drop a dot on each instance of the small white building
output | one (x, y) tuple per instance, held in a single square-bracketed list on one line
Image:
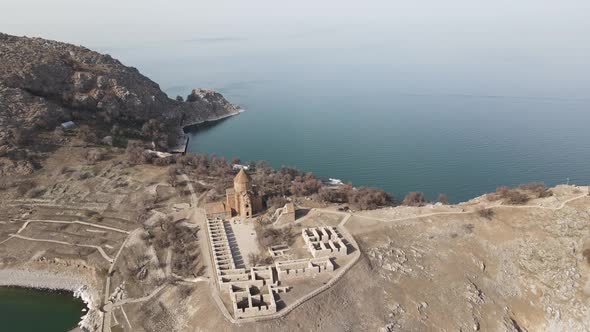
[(68, 125)]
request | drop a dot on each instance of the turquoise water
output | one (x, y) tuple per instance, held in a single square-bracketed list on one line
[(30, 310)]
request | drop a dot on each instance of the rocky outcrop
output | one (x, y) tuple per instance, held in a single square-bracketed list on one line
[(216, 105), (44, 82)]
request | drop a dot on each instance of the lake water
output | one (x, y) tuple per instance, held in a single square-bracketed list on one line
[(360, 112), (459, 145), (30, 310)]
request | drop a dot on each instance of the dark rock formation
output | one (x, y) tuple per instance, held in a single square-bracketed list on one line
[(44, 82), (216, 105)]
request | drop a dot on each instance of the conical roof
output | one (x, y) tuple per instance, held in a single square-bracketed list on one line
[(242, 177)]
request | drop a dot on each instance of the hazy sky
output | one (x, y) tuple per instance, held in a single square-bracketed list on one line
[(531, 23), (544, 40)]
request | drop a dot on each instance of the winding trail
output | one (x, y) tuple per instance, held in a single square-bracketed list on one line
[(106, 322), (126, 319), (9, 237), (192, 280), (141, 299), (68, 222), (100, 250), (561, 206), (169, 262)]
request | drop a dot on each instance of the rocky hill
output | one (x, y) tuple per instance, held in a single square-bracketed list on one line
[(44, 82)]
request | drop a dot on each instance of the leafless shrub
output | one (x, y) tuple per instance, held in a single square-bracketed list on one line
[(135, 153), (338, 194), (269, 236), (96, 218), (468, 228), (145, 205), (86, 134), (415, 199), (65, 170), (199, 188), (516, 197), (58, 131), (183, 242), (186, 291), (538, 189), (89, 213), (369, 198), (486, 213), (19, 136), (155, 131), (305, 185), (24, 186), (162, 161), (146, 236), (92, 156), (442, 198), (6, 184), (254, 259), (509, 196), (172, 176), (36, 192)]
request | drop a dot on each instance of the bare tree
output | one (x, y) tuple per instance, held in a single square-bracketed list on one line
[(486, 213), (415, 198), (369, 198), (134, 152), (305, 185), (442, 198), (93, 156), (172, 179), (86, 134)]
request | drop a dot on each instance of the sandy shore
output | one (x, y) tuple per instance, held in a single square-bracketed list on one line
[(53, 281)]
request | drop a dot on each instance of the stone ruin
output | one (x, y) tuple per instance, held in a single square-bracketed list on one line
[(324, 242), (253, 291), (278, 250), (302, 267), (286, 214)]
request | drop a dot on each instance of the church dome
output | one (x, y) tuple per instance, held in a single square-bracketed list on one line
[(242, 181)]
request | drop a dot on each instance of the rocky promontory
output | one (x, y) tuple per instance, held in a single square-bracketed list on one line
[(44, 83)]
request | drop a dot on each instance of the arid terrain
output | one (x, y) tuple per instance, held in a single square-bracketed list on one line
[(435, 267), (101, 208)]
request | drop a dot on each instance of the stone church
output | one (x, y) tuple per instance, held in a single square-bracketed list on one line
[(241, 200)]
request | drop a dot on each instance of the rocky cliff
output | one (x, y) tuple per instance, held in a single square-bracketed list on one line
[(44, 82)]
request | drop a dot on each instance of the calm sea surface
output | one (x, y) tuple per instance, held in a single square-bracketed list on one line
[(373, 115), (29, 310)]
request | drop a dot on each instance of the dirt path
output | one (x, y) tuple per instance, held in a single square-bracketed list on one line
[(27, 222), (100, 250), (106, 323), (169, 262), (141, 299), (561, 206)]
